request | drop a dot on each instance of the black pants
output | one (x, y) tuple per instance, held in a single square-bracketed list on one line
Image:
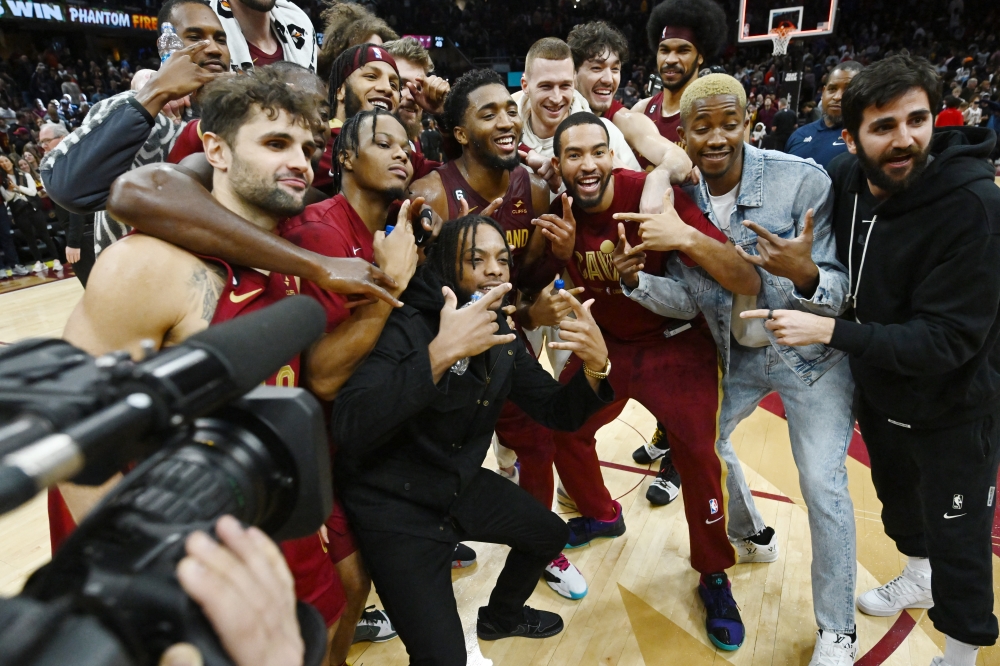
[(33, 225), (938, 494), (82, 267), (7, 246), (412, 575)]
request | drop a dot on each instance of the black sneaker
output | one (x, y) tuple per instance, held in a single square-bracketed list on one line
[(666, 487), (657, 447), (583, 530), (536, 624), (374, 626), (463, 557)]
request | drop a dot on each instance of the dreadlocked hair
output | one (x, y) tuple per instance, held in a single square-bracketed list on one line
[(445, 259), (349, 140)]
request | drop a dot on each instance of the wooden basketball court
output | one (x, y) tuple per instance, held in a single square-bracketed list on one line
[(641, 607)]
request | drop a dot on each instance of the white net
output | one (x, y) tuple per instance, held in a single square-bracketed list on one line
[(781, 37)]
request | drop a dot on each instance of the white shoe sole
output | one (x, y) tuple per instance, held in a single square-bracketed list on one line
[(881, 611)]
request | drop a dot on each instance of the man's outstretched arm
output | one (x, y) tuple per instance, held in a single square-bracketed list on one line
[(166, 201)]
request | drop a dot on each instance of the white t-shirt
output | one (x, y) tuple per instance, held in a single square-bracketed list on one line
[(724, 206)]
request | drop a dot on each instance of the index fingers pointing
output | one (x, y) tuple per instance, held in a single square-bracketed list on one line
[(760, 231), (494, 295), (755, 314), (632, 217)]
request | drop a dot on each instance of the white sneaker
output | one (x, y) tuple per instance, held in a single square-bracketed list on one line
[(374, 626), (564, 499), (898, 594), (20, 270), (514, 478), (939, 661), (56, 265), (833, 649), (39, 267), (761, 547), (563, 577)]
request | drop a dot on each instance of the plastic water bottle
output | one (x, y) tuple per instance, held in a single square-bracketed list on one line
[(168, 42), (389, 228), (556, 288), (463, 364)]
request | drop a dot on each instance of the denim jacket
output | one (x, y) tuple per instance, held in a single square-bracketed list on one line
[(776, 191)]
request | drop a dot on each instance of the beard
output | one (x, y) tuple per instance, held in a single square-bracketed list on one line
[(413, 127), (872, 167), (262, 190), (485, 154), (352, 103), (259, 5), (596, 199), (674, 87)]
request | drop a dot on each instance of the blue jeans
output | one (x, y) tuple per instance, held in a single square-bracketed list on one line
[(820, 424)]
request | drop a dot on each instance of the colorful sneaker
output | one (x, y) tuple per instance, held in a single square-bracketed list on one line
[(535, 624), (374, 626), (564, 499), (563, 577), (583, 530), (910, 590), (723, 621), (666, 487), (834, 649), (463, 557), (654, 450), (761, 547)]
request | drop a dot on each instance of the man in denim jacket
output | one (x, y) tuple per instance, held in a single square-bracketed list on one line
[(776, 209)]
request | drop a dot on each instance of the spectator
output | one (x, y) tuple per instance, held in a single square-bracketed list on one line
[(767, 113), (347, 24), (951, 116), (20, 193), (430, 141), (785, 122)]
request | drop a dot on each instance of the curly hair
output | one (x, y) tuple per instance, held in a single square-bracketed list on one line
[(704, 17), (346, 24), (457, 102), (594, 39), (227, 103)]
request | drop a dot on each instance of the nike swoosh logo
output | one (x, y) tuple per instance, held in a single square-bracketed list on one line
[(947, 517), (709, 522), (839, 143), (242, 297)]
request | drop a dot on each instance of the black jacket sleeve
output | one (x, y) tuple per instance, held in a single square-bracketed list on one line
[(74, 234), (393, 384), (954, 310), (79, 176), (564, 407)]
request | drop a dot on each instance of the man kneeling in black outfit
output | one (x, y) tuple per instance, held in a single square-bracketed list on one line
[(412, 434)]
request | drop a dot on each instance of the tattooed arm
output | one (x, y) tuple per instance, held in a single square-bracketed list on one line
[(142, 288)]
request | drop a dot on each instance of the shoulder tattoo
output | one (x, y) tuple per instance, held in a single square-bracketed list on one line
[(206, 284)]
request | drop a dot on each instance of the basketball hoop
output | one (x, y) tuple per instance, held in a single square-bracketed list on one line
[(781, 36)]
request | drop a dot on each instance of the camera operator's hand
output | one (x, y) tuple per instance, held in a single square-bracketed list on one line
[(468, 331), (246, 591)]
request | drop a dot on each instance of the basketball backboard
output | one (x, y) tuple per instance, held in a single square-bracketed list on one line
[(811, 18)]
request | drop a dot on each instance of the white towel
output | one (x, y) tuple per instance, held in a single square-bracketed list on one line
[(289, 24)]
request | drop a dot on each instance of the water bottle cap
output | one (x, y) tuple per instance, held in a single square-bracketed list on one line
[(388, 229), (475, 297), (168, 27), (560, 284)]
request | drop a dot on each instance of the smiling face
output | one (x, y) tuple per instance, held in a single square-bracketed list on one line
[(598, 79), (548, 85), (269, 164), (833, 92), (678, 62), (6, 164), (713, 130), (409, 113), (382, 163), (491, 128), (195, 23), (484, 262), (373, 86), (894, 142), (585, 163)]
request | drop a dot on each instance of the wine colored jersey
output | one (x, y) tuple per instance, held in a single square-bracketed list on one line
[(615, 107), (514, 215), (261, 59), (248, 290), (334, 229), (188, 142), (323, 178), (620, 318), (666, 126)]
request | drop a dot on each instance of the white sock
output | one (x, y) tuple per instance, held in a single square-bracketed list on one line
[(921, 567), (957, 653)]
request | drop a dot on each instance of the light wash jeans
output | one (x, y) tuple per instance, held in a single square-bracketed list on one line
[(820, 424)]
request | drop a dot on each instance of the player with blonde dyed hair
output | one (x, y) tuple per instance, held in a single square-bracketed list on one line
[(790, 202)]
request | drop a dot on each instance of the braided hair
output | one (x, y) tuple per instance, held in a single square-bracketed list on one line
[(444, 259), (349, 140)]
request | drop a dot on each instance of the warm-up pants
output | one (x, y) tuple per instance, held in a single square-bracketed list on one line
[(677, 379), (412, 574), (938, 493)]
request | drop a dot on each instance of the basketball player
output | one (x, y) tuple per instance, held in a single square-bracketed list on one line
[(482, 117), (669, 366), (789, 202), (921, 208), (142, 288), (413, 436)]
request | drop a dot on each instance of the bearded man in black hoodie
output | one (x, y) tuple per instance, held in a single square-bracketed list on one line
[(917, 220)]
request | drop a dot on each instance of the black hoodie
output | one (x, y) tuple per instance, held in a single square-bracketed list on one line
[(407, 449), (924, 353)]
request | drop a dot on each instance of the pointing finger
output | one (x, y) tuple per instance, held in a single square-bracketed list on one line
[(632, 217), (755, 314), (807, 229), (492, 208), (760, 231), (494, 295), (755, 260)]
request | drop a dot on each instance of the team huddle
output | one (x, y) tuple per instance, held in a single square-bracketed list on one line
[(652, 254)]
